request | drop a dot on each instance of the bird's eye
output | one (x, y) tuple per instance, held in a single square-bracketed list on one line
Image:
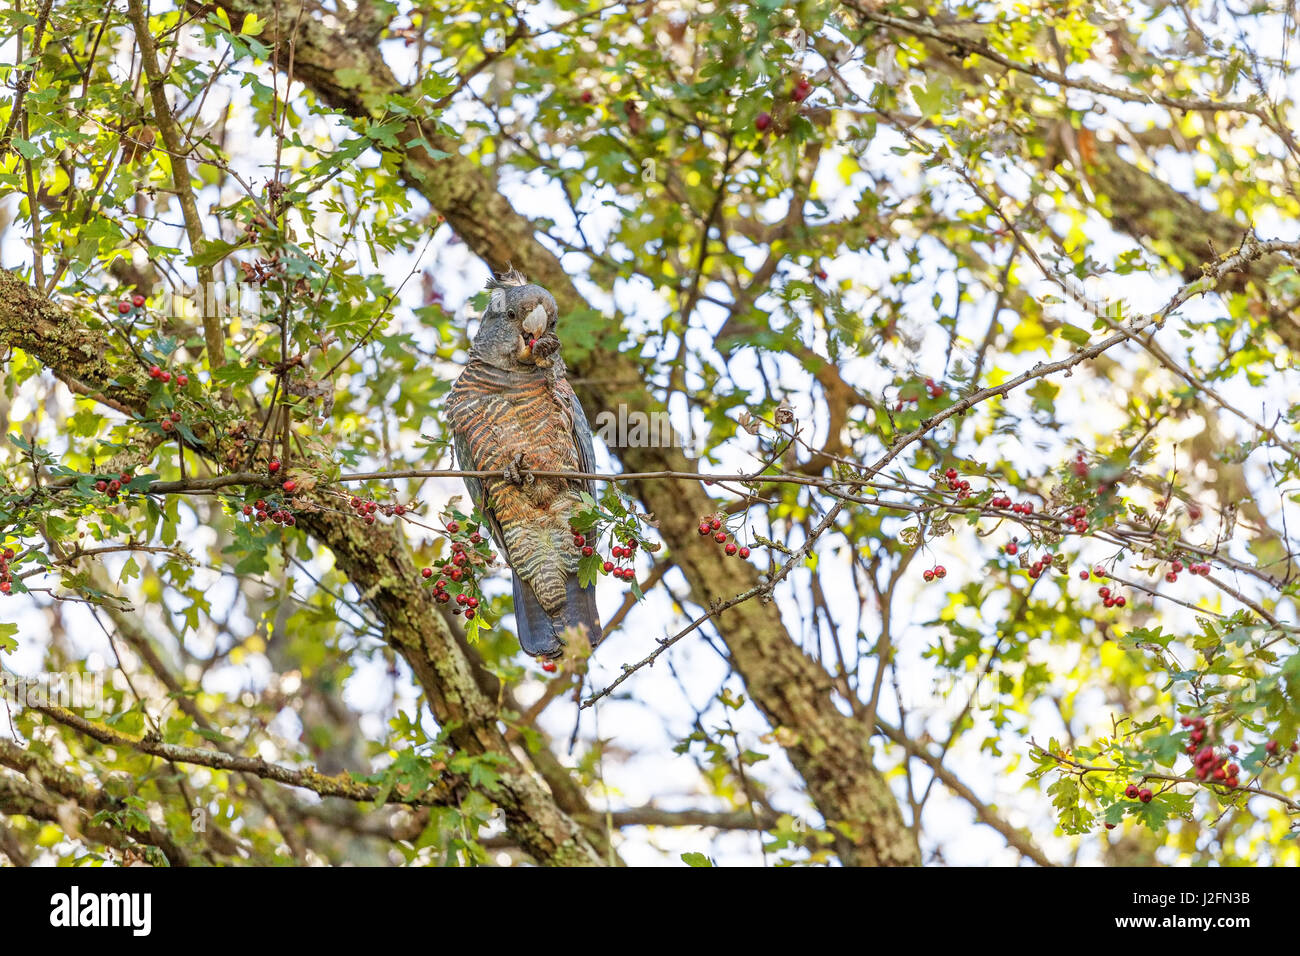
[(510, 313)]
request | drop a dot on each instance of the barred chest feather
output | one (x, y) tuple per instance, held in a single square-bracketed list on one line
[(503, 414)]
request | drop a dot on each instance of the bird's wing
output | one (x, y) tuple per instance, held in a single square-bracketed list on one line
[(582, 442)]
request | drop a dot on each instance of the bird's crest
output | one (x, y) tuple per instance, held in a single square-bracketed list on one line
[(505, 280)]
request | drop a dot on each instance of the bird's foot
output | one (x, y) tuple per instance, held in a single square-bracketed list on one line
[(517, 472), (545, 347)]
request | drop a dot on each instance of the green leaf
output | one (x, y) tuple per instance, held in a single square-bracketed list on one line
[(696, 859)]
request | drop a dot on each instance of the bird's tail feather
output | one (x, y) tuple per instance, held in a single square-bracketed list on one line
[(540, 633)]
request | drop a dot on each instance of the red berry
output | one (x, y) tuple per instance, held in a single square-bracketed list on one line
[(101, 486), (1083, 575), (248, 510), (940, 571), (763, 121), (137, 300), (427, 572), (453, 526), (744, 552), (261, 516), (469, 613), (579, 541), (549, 667), (928, 575), (608, 566), (166, 376), (182, 380), (370, 519), (731, 549), (9, 554), (1233, 781), (273, 465), (176, 416), (720, 537), (715, 524), (951, 474), (1121, 601), (123, 308), (1145, 795), (1171, 577), (1131, 791), (704, 530), (167, 425), (588, 551), (155, 371), (586, 97), (1103, 592), (822, 274), (4, 587), (1271, 747), (289, 485), (1110, 826), (1012, 548)]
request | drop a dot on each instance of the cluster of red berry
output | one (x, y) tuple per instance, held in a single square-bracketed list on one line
[(160, 374), (6, 556), (802, 88), (464, 602), (367, 509), (619, 552), (1111, 598), (111, 486), (957, 483), (934, 388), (1080, 466), (260, 511), (1133, 792), (135, 302), (1208, 763), (1077, 519), (1003, 501), (1176, 566), (459, 569), (938, 571), (713, 526), (1036, 569)]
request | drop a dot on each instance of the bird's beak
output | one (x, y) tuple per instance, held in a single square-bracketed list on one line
[(535, 321)]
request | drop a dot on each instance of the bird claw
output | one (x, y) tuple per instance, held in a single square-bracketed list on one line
[(517, 472), (546, 346)]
